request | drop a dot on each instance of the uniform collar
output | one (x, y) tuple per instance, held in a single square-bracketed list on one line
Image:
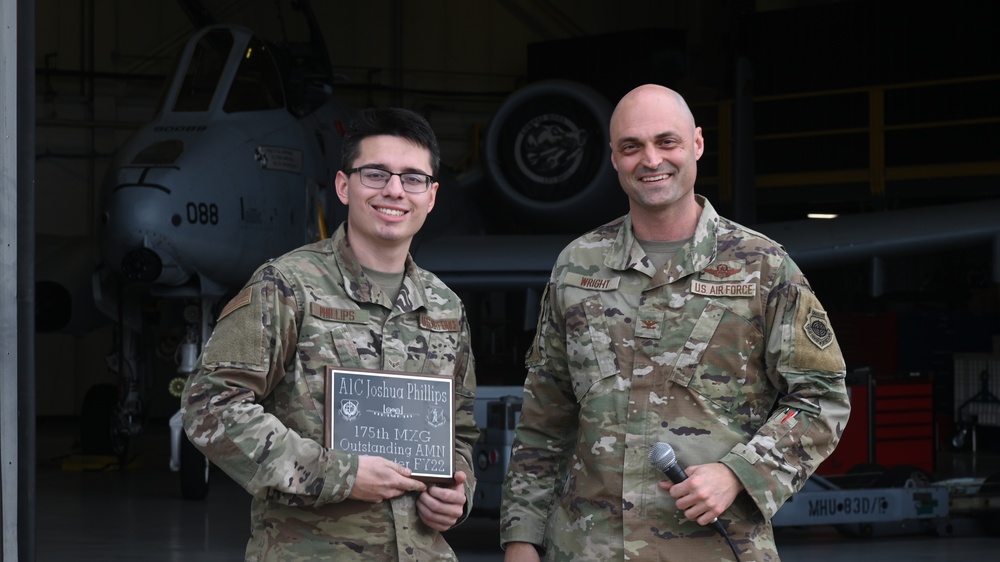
[(361, 288), (626, 253)]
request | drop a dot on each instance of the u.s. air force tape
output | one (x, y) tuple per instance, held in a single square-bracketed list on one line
[(723, 289)]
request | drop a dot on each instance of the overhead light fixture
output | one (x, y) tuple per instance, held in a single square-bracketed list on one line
[(822, 215)]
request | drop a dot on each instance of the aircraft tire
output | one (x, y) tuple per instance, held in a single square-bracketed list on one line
[(194, 471), (547, 153), (98, 432)]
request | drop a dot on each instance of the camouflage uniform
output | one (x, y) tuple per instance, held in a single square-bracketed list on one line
[(694, 355), (255, 407)]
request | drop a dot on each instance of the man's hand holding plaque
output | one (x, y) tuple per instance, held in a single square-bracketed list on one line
[(440, 506), (381, 479)]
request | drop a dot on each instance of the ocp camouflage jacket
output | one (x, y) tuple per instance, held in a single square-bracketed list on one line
[(256, 406), (709, 354)]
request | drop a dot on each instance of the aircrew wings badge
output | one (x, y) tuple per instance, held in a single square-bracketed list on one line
[(817, 328), (723, 271)]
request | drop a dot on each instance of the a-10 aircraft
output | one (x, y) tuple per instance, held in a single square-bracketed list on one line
[(237, 167), (234, 169)]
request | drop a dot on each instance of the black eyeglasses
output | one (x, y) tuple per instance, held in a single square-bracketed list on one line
[(377, 178)]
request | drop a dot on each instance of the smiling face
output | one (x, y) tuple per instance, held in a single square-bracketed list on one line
[(380, 220), (655, 148)]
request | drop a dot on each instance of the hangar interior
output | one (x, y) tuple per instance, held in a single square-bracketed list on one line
[(881, 114)]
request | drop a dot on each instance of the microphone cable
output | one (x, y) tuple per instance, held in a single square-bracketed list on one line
[(729, 540)]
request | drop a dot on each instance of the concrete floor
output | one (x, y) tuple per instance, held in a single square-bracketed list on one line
[(136, 513)]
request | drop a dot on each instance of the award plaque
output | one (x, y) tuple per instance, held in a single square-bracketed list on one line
[(408, 419)]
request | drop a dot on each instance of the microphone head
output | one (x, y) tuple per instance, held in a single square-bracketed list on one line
[(662, 456)]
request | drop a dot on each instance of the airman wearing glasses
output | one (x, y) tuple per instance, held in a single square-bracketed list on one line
[(255, 406)]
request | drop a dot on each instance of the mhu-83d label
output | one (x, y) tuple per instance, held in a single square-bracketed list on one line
[(862, 506)]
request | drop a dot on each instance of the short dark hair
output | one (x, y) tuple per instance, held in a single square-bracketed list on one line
[(392, 121)]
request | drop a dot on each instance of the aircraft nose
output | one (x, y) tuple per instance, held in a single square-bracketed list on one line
[(139, 239), (142, 265)]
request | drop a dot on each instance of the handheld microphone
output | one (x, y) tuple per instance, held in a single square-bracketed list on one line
[(662, 457)]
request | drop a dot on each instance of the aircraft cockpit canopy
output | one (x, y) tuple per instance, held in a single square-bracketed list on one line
[(256, 85)]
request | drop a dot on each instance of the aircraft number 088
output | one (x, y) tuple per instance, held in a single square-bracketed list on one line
[(202, 213)]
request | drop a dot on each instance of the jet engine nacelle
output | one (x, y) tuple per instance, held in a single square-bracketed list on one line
[(549, 158)]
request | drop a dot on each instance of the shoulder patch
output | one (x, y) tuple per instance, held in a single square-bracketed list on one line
[(241, 299), (592, 283), (817, 328), (811, 322), (438, 324)]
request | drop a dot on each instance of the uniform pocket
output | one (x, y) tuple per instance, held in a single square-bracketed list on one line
[(589, 347), (328, 335), (714, 362), (343, 347), (434, 345)]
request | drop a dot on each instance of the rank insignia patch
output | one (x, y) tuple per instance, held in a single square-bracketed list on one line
[(817, 328)]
